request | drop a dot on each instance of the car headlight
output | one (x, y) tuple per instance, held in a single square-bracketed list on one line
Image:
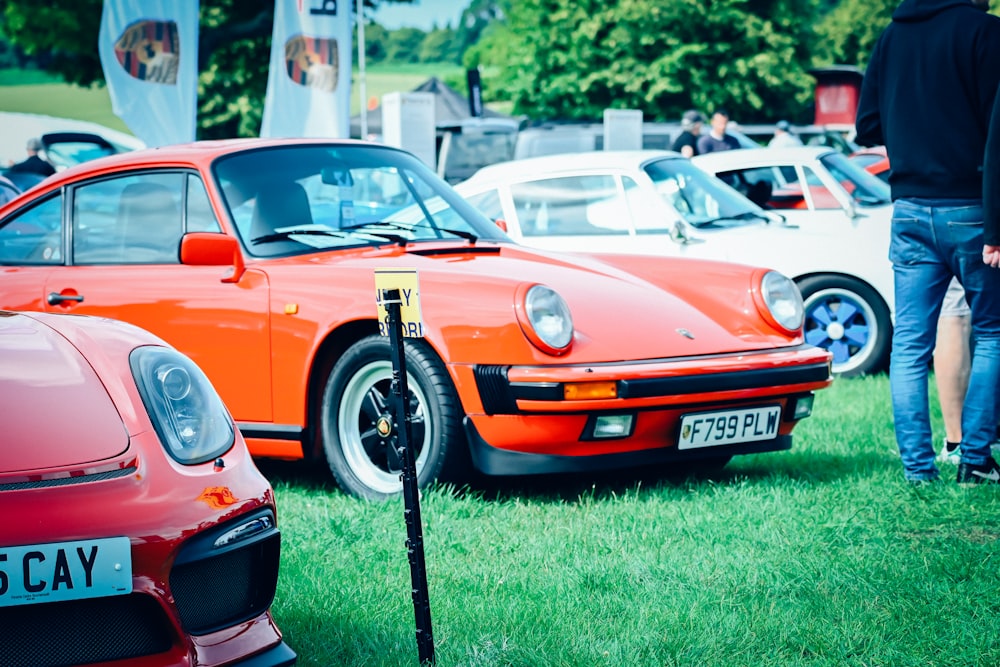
[(544, 318), (187, 413), (783, 300)]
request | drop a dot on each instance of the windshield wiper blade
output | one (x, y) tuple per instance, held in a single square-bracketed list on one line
[(461, 233), (385, 224), (745, 215), (284, 236)]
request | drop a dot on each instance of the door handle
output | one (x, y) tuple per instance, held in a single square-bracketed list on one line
[(56, 299)]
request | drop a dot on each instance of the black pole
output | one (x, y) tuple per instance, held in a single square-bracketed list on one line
[(411, 493)]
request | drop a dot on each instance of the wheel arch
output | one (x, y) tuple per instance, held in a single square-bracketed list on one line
[(845, 276), (333, 346)]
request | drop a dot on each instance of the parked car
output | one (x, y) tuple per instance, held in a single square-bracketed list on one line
[(8, 190), (874, 160), (137, 529), (65, 141), (851, 311), (467, 145), (561, 138), (657, 202), (257, 259), (840, 137)]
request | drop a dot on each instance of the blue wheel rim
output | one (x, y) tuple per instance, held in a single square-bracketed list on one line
[(838, 321)]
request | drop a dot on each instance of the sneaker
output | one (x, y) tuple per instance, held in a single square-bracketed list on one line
[(950, 453), (988, 473)]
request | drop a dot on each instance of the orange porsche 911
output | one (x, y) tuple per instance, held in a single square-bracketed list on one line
[(258, 259)]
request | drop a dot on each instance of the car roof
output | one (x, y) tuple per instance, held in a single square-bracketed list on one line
[(549, 165), (721, 159), (198, 153)]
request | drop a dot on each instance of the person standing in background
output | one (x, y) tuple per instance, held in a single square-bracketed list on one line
[(783, 136), (927, 95), (34, 163), (717, 139), (686, 142)]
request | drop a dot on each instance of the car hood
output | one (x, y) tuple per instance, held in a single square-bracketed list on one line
[(623, 307), (56, 410)]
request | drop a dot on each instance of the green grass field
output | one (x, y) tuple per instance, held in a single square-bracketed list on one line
[(35, 92), (822, 555)]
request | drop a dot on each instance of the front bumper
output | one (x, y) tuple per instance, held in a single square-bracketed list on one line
[(531, 422), (492, 461)]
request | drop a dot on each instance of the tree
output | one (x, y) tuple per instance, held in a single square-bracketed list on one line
[(571, 59), (849, 32), (440, 46), (233, 52)]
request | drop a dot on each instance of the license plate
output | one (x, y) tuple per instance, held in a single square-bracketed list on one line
[(725, 427), (65, 571)]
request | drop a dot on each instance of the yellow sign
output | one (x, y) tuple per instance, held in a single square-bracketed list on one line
[(404, 280)]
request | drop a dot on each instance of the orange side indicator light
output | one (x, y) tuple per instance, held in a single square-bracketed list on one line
[(583, 391), (291, 308)]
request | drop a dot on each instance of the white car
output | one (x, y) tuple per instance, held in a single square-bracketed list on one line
[(837, 190), (658, 202)]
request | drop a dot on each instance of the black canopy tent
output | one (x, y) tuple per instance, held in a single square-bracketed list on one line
[(450, 108)]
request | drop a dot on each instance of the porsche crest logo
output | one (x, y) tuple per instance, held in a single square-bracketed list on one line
[(312, 62), (217, 497), (150, 51)]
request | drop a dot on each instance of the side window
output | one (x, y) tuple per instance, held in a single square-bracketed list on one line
[(130, 220), (488, 203), (570, 206), (33, 236), (771, 187), (200, 217), (821, 196), (648, 213)]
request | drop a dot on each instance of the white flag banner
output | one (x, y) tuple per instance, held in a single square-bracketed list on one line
[(309, 80), (149, 53)]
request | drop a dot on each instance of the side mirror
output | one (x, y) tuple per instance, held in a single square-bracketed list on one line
[(679, 234), (213, 249), (502, 224)]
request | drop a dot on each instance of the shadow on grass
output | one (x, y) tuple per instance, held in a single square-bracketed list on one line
[(760, 469)]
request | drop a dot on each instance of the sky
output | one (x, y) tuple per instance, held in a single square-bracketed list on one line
[(418, 14)]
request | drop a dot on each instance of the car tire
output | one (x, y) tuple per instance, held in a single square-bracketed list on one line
[(359, 391), (848, 318)]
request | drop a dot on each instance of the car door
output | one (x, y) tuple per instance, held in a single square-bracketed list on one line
[(123, 245)]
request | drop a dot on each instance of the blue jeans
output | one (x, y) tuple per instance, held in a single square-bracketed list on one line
[(931, 242)]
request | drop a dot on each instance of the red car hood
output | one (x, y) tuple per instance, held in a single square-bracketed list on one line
[(623, 307), (56, 411)]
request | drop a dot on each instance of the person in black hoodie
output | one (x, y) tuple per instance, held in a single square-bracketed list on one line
[(927, 95)]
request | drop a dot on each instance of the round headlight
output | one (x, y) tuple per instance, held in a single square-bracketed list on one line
[(783, 300), (548, 318)]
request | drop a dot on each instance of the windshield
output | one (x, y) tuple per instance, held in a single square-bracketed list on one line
[(296, 199), (702, 199), (865, 188)]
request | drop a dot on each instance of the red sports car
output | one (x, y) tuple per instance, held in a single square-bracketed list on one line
[(258, 259), (136, 528)]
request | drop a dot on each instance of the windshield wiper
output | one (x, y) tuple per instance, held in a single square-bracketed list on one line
[(284, 236), (745, 215), (385, 224)]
